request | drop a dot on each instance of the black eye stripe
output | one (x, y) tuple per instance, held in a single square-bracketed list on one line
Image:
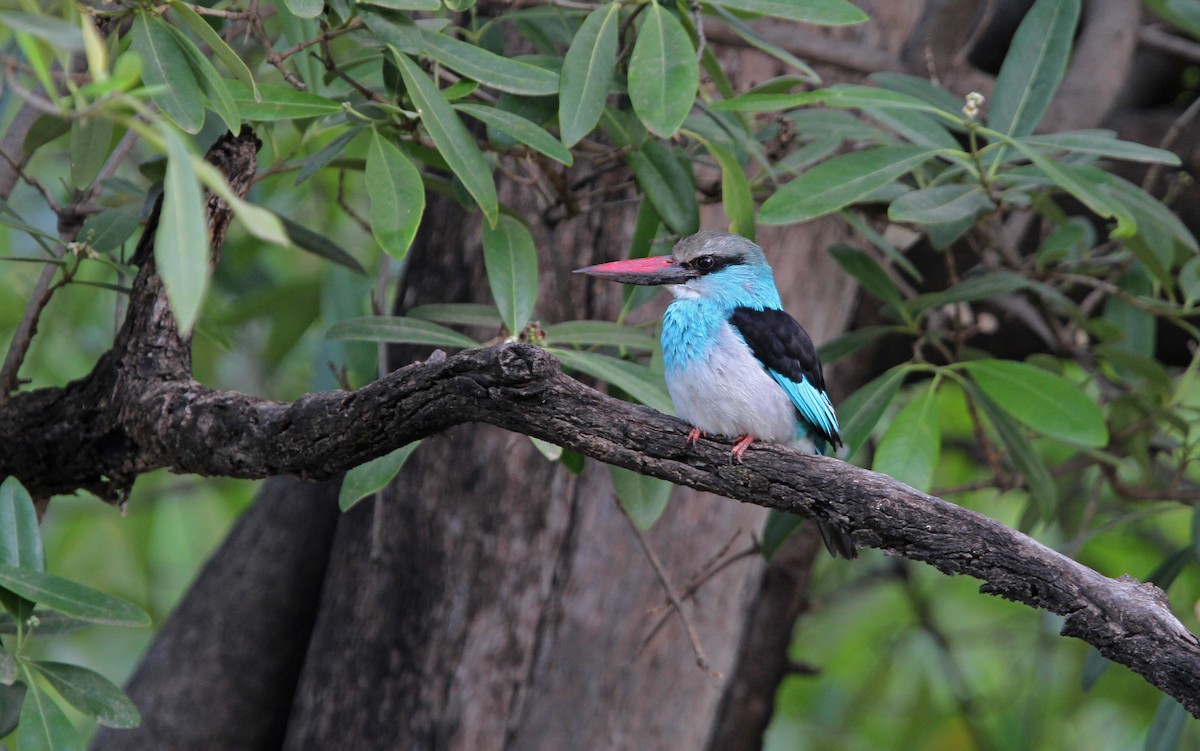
[(707, 264)]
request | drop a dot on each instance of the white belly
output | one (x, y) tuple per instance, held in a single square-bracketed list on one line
[(727, 392)]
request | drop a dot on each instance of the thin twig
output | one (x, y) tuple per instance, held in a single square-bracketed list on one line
[(659, 571)]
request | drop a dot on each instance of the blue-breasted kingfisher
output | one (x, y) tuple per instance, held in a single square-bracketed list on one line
[(736, 363)]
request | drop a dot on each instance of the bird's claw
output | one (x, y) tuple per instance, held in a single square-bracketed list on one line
[(739, 447), (694, 435)]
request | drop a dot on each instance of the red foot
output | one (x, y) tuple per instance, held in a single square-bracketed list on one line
[(739, 448), (693, 435)]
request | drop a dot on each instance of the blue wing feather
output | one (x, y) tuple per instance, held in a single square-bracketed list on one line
[(814, 407)]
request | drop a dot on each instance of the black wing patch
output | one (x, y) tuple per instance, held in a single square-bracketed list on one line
[(780, 343)]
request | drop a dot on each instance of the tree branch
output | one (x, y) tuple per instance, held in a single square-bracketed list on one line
[(184, 426)]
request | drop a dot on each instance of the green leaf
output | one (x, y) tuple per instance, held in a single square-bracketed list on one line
[(57, 32), (219, 98), (667, 185), (841, 95), (399, 330), (326, 154), (643, 498), (663, 72), (638, 381), (1103, 143), (861, 411), (1024, 456), (752, 38), (912, 443), (778, 528), (397, 196), (1189, 280), (1166, 729), (488, 68), (166, 70), (273, 102), (1094, 665), (1080, 184), (822, 12), (71, 598), (453, 140), (427, 5), (940, 205), (1046, 402), (465, 314), (45, 129), (839, 182), (736, 195), (109, 230), (850, 342), (972, 288), (512, 270), (319, 245), (598, 333), (46, 623), (91, 143), (587, 73), (213, 40), (519, 128), (370, 477), (1034, 67), (91, 693), (20, 539), (181, 242), (868, 272), (11, 700), (305, 8), (1183, 13), (44, 726)]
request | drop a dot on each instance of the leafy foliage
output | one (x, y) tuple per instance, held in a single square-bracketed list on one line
[(381, 103)]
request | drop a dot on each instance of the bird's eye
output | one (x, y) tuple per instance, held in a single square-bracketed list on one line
[(705, 263)]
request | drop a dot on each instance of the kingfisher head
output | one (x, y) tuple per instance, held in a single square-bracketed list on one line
[(710, 266)]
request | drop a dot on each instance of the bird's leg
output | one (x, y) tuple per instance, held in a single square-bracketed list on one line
[(694, 435), (739, 447)]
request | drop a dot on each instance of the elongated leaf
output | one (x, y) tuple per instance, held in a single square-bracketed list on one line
[(638, 381), (587, 73), (778, 528), (166, 70), (305, 8), (181, 242), (370, 477), (91, 693), (327, 154), (736, 196), (57, 32), (400, 330), (862, 410), (841, 95), (1166, 729), (520, 129), (397, 196), (752, 38), (219, 98), (46, 623), (663, 72), (1034, 67), (223, 52), (643, 498), (488, 68), (940, 205), (868, 272), (71, 598), (1183, 13), (551, 451), (1103, 143), (91, 143), (466, 314), (1079, 184), (667, 185), (1022, 453), (839, 182), (850, 342), (911, 445), (973, 288), (823, 12), (20, 539), (44, 725), (456, 144), (12, 698), (512, 269), (602, 333), (319, 245), (108, 230), (1046, 402), (272, 102)]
